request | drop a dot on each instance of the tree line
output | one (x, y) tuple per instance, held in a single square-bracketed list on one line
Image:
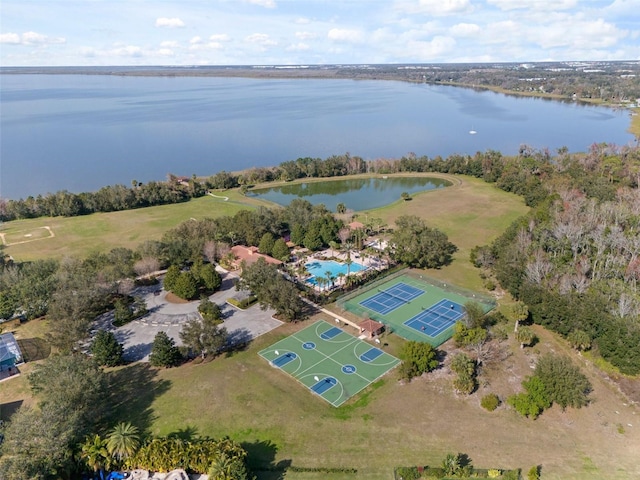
[(519, 174), (573, 260)]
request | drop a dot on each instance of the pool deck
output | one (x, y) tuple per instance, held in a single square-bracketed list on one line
[(335, 255)]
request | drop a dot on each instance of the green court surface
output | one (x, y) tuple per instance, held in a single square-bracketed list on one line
[(397, 317), (329, 361)]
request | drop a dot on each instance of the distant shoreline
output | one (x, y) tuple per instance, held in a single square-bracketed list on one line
[(412, 73)]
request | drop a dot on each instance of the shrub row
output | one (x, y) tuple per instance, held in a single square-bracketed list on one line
[(435, 473), (244, 303)]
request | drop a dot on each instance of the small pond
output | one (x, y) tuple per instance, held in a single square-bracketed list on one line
[(356, 193)]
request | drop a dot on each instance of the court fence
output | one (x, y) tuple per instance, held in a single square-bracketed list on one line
[(488, 302), (346, 304)]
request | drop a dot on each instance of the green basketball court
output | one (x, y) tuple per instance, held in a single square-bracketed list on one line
[(329, 361)]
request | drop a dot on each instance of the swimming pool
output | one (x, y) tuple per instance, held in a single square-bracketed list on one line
[(319, 268)]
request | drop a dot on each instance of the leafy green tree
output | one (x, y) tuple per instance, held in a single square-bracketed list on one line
[(74, 384), (465, 368), (186, 286), (203, 337), (533, 401), (280, 250), (417, 245), (123, 441), (106, 349), (475, 316), (8, 304), (209, 277), (417, 358), (405, 196), (464, 337), (313, 239), (297, 234), (37, 444), (171, 277), (341, 208), (210, 311), (267, 243), (564, 383), (94, 453), (122, 313), (164, 352)]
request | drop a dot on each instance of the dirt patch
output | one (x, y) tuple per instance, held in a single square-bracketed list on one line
[(172, 298)]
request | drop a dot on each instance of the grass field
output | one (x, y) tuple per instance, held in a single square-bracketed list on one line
[(471, 212), (388, 424), (79, 236)]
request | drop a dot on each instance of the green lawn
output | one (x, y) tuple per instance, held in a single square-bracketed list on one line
[(79, 236), (471, 212)]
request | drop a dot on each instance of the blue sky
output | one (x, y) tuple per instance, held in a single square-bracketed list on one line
[(267, 32)]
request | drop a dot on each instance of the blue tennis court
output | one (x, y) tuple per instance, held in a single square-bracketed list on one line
[(437, 318), (393, 297)]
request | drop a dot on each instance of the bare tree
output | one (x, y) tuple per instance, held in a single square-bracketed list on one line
[(146, 266)]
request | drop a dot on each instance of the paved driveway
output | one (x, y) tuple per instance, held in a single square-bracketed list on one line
[(137, 336)]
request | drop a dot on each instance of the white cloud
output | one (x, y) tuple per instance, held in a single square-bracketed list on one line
[(345, 35), (432, 50), (127, 51), (298, 47), (30, 38), (464, 30), (169, 22), (169, 44), (263, 3), (165, 52), (302, 21), (261, 39), (305, 35), (195, 40), (11, 38), (219, 37), (546, 5), (588, 34), (434, 7)]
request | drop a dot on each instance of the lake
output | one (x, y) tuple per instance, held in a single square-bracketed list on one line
[(355, 193), (81, 132)]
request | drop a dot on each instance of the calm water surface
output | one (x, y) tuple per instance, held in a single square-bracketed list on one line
[(356, 194), (81, 132)]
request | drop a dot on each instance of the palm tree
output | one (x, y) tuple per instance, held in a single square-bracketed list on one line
[(123, 440), (95, 454), (525, 336), (328, 275), (223, 468)]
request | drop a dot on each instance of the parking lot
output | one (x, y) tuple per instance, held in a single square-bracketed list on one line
[(137, 336)]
